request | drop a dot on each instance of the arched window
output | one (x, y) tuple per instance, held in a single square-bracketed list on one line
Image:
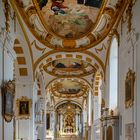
[(113, 96)]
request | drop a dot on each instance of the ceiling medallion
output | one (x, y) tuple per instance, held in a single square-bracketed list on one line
[(69, 67)]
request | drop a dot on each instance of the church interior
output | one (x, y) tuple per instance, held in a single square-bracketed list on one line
[(67, 68)]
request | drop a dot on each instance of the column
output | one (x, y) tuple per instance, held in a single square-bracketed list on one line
[(76, 119), (79, 122), (89, 108), (103, 128), (61, 122)]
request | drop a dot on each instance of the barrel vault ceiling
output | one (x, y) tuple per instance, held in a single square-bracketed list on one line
[(69, 38)]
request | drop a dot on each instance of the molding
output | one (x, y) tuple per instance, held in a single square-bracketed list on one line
[(25, 34), (23, 72), (88, 53), (9, 49)]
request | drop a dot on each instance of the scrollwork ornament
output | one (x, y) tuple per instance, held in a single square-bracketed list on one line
[(7, 15), (129, 15)]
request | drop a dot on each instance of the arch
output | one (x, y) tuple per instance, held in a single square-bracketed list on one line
[(54, 55), (74, 78), (65, 101), (109, 135), (113, 77)]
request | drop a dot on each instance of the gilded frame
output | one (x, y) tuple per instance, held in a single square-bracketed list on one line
[(24, 105), (8, 93), (129, 88)]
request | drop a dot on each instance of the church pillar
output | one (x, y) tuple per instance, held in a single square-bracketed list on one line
[(76, 122), (61, 122), (103, 127)]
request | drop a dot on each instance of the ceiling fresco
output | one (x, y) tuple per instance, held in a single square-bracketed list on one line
[(65, 40), (68, 88), (69, 18), (68, 25), (69, 67)]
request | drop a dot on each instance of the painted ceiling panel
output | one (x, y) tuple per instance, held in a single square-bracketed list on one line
[(68, 25)]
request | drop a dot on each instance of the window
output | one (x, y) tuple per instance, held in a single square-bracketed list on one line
[(113, 96)]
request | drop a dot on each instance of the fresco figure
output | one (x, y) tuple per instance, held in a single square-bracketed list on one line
[(69, 18), (57, 6)]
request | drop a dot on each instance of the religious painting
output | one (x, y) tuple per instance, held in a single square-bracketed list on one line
[(69, 87), (24, 105), (69, 64), (129, 131), (69, 18), (69, 67), (8, 92), (129, 88)]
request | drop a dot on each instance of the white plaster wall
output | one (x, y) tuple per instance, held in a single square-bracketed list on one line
[(129, 58), (8, 75), (92, 115), (0, 90), (25, 128), (6, 130), (136, 24)]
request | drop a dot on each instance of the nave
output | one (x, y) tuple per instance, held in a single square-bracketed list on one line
[(69, 70)]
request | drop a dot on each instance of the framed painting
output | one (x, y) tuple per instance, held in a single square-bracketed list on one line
[(24, 106), (8, 92), (129, 88)]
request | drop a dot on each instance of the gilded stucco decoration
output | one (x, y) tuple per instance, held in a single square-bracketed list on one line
[(41, 22), (24, 105), (129, 88), (68, 88), (68, 67), (128, 15), (89, 62), (7, 15)]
